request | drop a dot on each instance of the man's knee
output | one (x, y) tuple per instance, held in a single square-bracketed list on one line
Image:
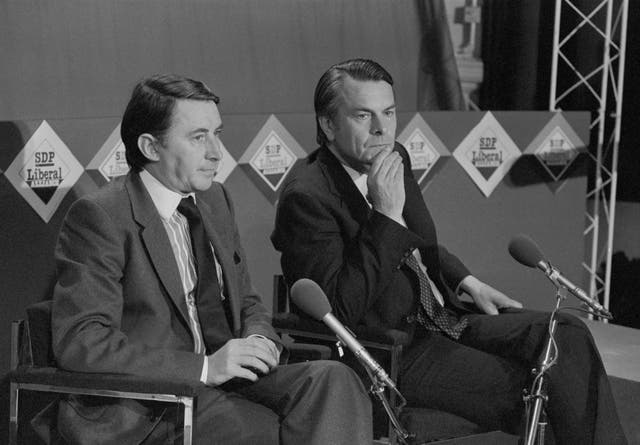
[(574, 326), (571, 320), (334, 372)]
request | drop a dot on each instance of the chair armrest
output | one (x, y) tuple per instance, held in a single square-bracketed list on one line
[(104, 382), (370, 336)]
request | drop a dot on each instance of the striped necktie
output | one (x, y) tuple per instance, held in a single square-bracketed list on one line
[(432, 315)]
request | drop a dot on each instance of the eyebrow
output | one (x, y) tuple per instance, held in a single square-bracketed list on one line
[(371, 111), (206, 130)]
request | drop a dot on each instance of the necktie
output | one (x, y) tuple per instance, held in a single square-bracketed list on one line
[(213, 319), (433, 316)]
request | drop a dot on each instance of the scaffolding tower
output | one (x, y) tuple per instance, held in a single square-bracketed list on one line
[(597, 87)]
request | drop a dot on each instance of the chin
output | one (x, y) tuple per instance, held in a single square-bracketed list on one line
[(203, 185)]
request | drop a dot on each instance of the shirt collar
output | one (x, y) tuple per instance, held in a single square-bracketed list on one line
[(165, 200)]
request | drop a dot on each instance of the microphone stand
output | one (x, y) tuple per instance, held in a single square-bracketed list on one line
[(377, 389), (538, 396)]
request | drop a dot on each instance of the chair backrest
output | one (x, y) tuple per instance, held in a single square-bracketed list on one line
[(280, 294), (39, 325)]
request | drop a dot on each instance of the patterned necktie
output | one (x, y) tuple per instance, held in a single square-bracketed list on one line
[(433, 316), (211, 312)]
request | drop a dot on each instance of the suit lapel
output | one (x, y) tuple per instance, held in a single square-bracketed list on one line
[(419, 221), (342, 186), (155, 240)]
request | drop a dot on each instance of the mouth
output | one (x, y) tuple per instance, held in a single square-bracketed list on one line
[(373, 150), (210, 171), (380, 146)]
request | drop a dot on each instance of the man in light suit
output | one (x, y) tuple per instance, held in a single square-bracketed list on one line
[(353, 219), (138, 294)]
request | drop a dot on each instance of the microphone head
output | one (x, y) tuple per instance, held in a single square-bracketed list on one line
[(525, 251), (307, 295)]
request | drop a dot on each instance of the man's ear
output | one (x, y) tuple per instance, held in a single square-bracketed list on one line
[(328, 127), (148, 146)]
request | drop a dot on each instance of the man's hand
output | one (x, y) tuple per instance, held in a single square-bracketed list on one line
[(488, 299), (386, 184), (241, 357)]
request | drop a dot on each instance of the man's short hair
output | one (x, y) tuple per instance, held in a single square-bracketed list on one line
[(327, 94), (151, 107)]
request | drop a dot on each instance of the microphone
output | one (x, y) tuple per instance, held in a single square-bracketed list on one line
[(307, 295), (525, 251)]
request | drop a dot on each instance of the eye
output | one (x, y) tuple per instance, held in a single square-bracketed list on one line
[(390, 113), (200, 138), (362, 116)]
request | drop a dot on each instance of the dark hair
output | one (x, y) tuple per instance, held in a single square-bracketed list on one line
[(325, 100), (150, 109)]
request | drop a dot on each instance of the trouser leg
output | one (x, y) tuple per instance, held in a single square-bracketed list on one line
[(580, 407), (220, 418), (440, 373), (311, 403), (319, 402)]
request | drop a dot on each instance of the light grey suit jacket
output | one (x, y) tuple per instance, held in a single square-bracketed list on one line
[(118, 305)]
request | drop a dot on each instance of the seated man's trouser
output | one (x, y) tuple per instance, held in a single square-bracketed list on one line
[(482, 376)]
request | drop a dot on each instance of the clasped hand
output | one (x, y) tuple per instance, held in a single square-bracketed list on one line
[(242, 357), (385, 183)]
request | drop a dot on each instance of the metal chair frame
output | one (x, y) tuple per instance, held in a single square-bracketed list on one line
[(25, 375)]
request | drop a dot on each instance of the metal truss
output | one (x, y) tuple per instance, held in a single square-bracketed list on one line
[(598, 88)]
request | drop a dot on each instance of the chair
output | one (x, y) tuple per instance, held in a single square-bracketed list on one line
[(429, 425), (33, 369)]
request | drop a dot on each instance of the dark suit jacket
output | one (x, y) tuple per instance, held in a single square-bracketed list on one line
[(327, 232), (118, 305)]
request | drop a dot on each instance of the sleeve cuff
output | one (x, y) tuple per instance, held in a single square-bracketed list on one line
[(205, 370)]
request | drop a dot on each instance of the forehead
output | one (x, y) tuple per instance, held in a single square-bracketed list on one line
[(366, 94), (191, 114)]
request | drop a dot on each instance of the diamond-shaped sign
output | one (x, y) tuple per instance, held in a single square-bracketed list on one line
[(424, 147), (273, 160), (44, 171), (270, 157), (110, 161), (487, 154), (556, 146)]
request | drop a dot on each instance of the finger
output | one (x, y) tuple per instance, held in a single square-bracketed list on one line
[(254, 364), (396, 171), (258, 352), (513, 303), (271, 347), (378, 160), (265, 345), (244, 373), (489, 308), (387, 167)]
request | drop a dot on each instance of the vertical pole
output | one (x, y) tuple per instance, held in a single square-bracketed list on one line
[(616, 143), (602, 116), (188, 420), (13, 413), (554, 58)]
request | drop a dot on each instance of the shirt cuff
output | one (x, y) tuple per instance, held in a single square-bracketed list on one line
[(205, 370)]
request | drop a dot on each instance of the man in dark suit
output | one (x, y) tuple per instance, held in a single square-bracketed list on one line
[(353, 219), (152, 281)]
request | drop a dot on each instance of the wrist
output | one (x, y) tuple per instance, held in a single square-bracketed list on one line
[(468, 284)]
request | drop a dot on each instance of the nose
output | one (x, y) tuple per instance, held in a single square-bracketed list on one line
[(214, 149), (378, 127)]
